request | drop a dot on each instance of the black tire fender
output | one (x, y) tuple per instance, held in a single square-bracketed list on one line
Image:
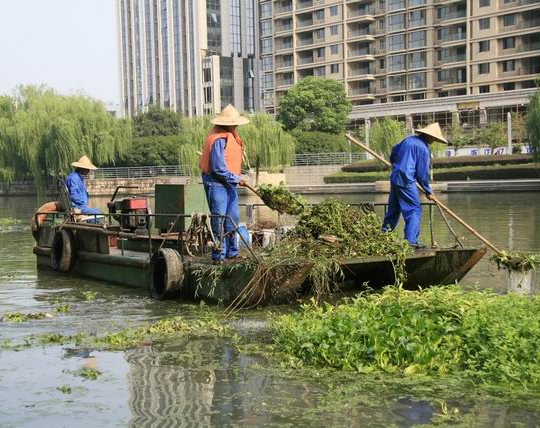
[(166, 274), (63, 251)]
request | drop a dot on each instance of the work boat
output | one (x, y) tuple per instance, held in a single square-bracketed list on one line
[(168, 252)]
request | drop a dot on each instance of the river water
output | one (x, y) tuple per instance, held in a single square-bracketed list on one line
[(210, 381)]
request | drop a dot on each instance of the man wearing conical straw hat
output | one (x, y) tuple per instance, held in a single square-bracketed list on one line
[(410, 164), (221, 165), (76, 187)]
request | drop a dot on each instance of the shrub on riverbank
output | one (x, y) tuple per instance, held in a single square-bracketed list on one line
[(441, 330), (450, 162), (493, 172)]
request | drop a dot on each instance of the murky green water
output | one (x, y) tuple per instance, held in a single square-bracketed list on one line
[(209, 381)]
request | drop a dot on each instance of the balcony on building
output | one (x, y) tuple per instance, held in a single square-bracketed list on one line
[(448, 12), (451, 55), (520, 21), (503, 4), (454, 76), (361, 71), (284, 61), (284, 43), (304, 39), (282, 7), (360, 12), (282, 25), (361, 90), (451, 34), (284, 79), (303, 58), (362, 51)]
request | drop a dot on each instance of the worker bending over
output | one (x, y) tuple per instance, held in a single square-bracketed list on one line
[(76, 187), (221, 165), (410, 164)]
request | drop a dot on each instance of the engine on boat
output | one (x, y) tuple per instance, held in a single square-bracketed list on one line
[(131, 213)]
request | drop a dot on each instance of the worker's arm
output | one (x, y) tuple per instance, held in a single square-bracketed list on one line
[(422, 169), (77, 191), (218, 167)]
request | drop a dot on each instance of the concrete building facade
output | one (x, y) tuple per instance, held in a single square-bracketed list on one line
[(191, 56), (402, 51)]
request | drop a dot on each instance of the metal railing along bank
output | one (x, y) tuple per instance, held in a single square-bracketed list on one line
[(306, 159)]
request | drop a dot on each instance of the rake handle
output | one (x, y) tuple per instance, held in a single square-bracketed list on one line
[(433, 198)]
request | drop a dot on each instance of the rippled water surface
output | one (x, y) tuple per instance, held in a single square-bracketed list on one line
[(210, 381)]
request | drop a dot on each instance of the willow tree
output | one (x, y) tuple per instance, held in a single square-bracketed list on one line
[(533, 124), (385, 134), (265, 142), (42, 132)]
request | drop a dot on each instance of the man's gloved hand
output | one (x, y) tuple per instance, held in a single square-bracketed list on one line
[(430, 196)]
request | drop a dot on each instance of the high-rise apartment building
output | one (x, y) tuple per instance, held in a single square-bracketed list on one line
[(387, 51), (192, 56)]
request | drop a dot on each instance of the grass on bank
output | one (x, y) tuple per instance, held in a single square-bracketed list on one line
[(492, 172), (438, 331)]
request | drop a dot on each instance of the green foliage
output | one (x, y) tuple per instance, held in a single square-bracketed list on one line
[(516, 261), (19, 317), (327, 233), (321, 142), (89, 373), (492, 172), (533, 125), (156, 122), (458, 137), (519, 129), (492, 135), (152, 151), (441, 330), (42, 132), (315, 104), (385, 134), (65, 389), (281, 200)]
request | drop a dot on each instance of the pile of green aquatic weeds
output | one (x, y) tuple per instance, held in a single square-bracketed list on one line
[(520, 262), (281, 200), (327, 233), (441, 330)]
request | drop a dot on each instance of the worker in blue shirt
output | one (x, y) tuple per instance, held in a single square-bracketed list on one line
[(76, 187), (221, 165), (410, 165)]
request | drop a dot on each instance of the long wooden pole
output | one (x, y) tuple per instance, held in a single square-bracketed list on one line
[(433, 198)]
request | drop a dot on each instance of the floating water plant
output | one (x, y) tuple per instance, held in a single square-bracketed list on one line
[(281, 200), (325, 234), (441, 330), (19, 317), (521, 262)]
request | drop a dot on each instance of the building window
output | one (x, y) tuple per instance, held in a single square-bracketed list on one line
[(417, 39), (484, 23), (413, 3), (417, 81), (382, 25), (509, 65), (397, 83), (396, 63), (318, 15), (510, 86), (396, 43), (382, 44), (334, 11), (319, 71), (267, 63), (509, 19), (382, 5), (483, 89), (382, 64), (266, 46), (396, 22), (334, 30), (334, 49), (382, 83), (266, 10), (509, 43), (483, 68), (334, 68), (266, 28), (417, 18), (319, 53), (483, 46), (484, 3), (417, 60), (396, 4), (319, 34)]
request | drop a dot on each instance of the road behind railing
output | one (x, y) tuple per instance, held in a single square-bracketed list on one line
[(306, 159)]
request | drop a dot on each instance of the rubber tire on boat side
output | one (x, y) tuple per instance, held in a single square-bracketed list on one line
[(63, 251), (166, 274)]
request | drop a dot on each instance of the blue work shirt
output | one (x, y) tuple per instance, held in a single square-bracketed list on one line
[(77, 190), (410, 162), (219, 172)]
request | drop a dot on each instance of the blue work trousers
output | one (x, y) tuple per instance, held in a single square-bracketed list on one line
[(406, 201), (223, 200)]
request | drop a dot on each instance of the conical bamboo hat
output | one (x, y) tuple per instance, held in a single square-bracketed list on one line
[(84, 163), (229, 116), (433, 130)]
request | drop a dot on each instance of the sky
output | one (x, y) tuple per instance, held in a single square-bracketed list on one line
[(69, 45)]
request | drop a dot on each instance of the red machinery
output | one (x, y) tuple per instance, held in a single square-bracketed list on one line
[(131, 212)]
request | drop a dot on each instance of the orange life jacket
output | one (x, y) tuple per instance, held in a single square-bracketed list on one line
[(233, 150)]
